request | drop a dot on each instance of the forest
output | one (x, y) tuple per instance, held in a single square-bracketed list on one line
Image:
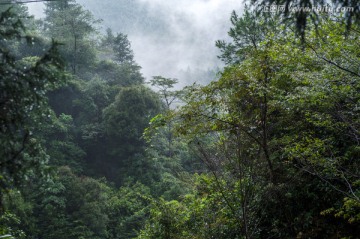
[(93, 149)]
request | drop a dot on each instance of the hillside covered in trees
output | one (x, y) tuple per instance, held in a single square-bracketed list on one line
[(89, 148)]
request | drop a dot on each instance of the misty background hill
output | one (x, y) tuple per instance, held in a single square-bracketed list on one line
[(168, 36)]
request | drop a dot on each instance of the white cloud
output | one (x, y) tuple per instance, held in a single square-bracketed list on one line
[(195, 26)]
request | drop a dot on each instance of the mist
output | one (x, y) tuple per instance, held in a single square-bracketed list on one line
[(168, 36)]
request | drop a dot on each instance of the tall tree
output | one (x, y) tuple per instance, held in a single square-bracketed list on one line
[(122, 49), (23, 104), (119, 68), (69, 22)]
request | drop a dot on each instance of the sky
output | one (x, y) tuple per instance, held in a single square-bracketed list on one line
[(167, 36)]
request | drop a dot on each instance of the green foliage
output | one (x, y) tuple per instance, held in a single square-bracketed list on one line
[(23, 104), (70, 206), (60, 143), (124, 122), (119, 68), (7, 222), (269, 150), (128, 116), (168, 153), (276, 129), (202, 214), (115, 74), (129, 210), (167, 220), (122, 49), (164, 86), (247, 32)]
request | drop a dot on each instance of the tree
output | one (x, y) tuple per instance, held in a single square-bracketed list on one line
[(58, 138), (119, 46), (326, 142), (119, 68), (23, 103), (277, 129), (122, 49), (247, 32), (164, 85), (119, 75), (69, 22), (69, 206), (129, 208), (124, 122)]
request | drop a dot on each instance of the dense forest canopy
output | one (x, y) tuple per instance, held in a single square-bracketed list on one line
[(91, 148)]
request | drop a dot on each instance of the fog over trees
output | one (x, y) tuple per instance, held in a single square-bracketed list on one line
[(173, 38), (150, 119)]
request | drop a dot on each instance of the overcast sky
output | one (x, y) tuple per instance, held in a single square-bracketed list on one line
[(191, 26)]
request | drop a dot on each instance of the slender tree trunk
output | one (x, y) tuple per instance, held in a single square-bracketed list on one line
[(265, 129), (75, 55)]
